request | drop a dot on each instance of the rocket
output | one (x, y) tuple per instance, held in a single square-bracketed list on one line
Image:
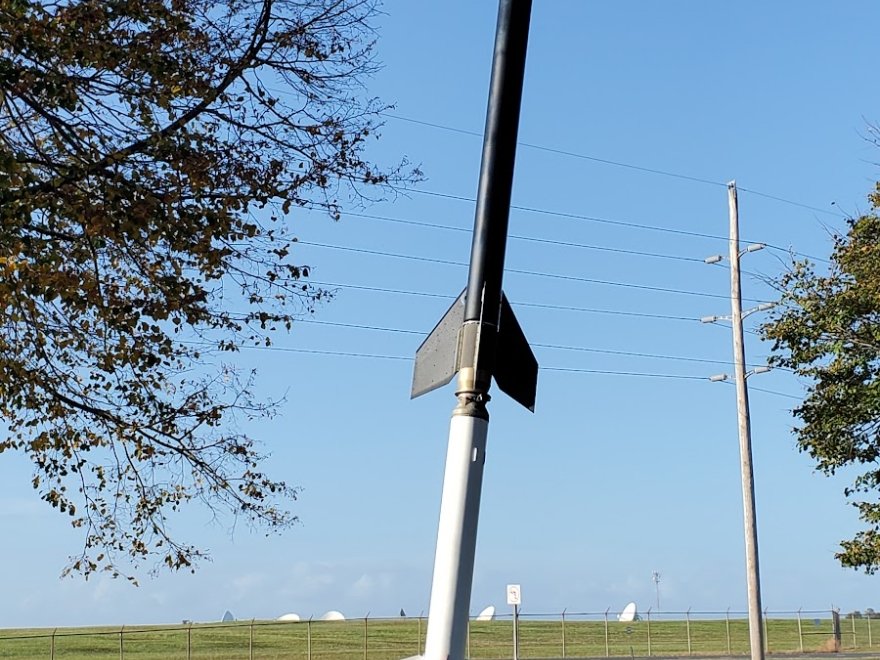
[(478, 339)]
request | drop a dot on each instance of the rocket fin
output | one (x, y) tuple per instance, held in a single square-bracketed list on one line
[(516, 369), (437, 357)]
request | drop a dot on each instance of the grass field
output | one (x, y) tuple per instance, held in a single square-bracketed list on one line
[(393, 639)]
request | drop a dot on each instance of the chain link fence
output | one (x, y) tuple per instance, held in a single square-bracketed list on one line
[(562, 635)]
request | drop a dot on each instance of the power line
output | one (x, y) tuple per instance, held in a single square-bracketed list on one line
[(578, 216), (618, 223), (616, 163), (519, 271), (531, 239), (615, 312), (379, 289), (561, 347), (608, 372), (518, 303), (562, 152), (766, 391), (401, 358)]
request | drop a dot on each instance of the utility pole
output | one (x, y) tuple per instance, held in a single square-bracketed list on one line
[(756, 629), (655, 576), (479, 339)]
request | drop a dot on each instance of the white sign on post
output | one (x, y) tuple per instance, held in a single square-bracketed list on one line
[(514, 594)]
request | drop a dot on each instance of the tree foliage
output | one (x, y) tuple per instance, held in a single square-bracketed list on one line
[(150, 151), (827, 329)]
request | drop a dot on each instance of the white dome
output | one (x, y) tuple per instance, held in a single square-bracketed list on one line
[(333, 615), (290, 616), (487, 614)]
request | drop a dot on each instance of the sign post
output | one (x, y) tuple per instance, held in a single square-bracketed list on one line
[(514, 597)]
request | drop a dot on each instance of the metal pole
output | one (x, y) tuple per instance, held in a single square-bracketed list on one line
[(753, 582), (563, 633), (251, 642), (606, 633), (309, 639), (121, 645), (656, 577), (870, 640), (188, 643), (800, 632), (649, 632), (855, 644), (727, 626), (365, 635), (687, 616), (52, 646), (515, 626)]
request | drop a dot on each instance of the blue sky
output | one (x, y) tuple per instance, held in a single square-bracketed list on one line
[(614, 476)]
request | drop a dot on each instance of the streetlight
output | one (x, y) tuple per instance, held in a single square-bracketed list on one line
[(718, 378), (717, 258), (763, 307)]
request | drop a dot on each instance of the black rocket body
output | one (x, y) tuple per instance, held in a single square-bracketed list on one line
[(479, 335)]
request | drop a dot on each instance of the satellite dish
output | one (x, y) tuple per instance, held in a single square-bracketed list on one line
[(290, 616), (629, 613), (227, 617), (333, 615), (487, 614)]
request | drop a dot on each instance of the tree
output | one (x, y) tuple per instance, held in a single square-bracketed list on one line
[(150, 152), (827, 329)]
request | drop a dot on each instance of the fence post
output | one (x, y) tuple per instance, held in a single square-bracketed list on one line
[(309, 638), (121, 646), (766, 635), (800, 632), (251, 642), (649, 631), (189, 641), (52, 645), (563, 632), (727, 628), (468, 637), (419, 638), (870, 641), (855, 644), (835, 626), (366, 616), (606, 632), (687, 619)]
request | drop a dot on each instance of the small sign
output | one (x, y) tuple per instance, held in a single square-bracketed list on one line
[(514, 594)]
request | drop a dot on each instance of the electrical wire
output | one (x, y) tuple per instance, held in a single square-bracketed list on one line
[(617, 163), (618, 223), (519, 271), (518, 303), (586, 246), (531, 239), (560, 347), (766, 391), (401, 358), (578, 216)]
